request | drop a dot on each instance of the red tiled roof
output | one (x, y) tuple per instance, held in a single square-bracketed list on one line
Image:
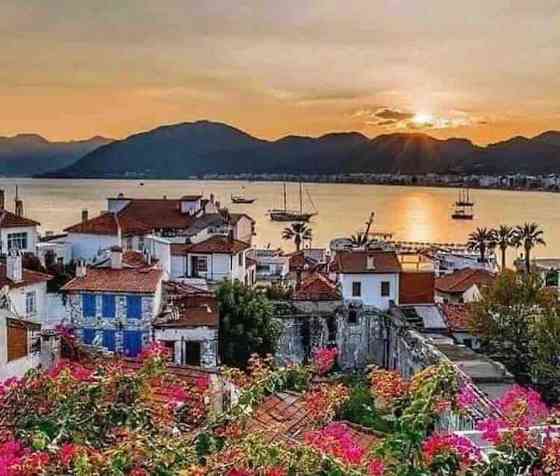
[(356, 262), (204, 315), (159, 213), (215, 244), (284, 415), (29, 278), (457, 316), (461, 280), (416, 287), (134, 259), (9, 219), (298, 261), (126, 280), (108, 224), (317, 288)]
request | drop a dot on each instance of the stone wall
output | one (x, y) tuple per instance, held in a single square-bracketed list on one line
[(308, 325)]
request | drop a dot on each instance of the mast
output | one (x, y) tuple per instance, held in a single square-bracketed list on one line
[(300, 198), (285, 207)]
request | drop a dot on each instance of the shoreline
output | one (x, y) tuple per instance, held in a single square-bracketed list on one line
[(402, 181)]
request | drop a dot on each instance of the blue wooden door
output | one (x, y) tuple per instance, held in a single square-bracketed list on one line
[(89, 335), (109, 339), (132, 343)]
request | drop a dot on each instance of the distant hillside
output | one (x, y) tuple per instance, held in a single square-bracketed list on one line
[(29, 154), (203, 147)]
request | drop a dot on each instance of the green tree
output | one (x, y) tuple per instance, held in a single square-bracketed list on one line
[(517, 323), (504, 238), (298, 232), (481, 240), (528, 236), (246, 324)]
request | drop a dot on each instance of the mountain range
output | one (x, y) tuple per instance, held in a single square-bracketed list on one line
[(203, 147), (29, 154)]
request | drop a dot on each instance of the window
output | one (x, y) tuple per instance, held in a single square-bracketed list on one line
[(141, 243), (108, 305), (467, 343), (352, 316), (356, 289), (17, 241), (17, 340), (192, 353), (31, 303), (88, 305), (109, 339), (551, 279), (129, 243), (385, 288), (132, 343), (134, 307), (170, 346), (240, 259), (202, 264), (89, 335)]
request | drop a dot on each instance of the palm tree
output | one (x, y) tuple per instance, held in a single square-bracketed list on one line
[(504, 238), (481, 240), (528, 235), (359, 239), (299, 232)]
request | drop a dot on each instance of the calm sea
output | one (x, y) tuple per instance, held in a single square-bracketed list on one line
[(410, 213)]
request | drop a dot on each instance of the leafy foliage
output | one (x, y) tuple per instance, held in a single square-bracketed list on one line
[(247, 326)]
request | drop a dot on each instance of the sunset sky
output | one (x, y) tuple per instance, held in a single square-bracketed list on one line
[(482, 69)]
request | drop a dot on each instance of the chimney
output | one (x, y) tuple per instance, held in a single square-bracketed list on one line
[(116, 257), (212, 198), (2, 200), (81, 269), (370, 262), (84, 215), (14, 267), (19, 207)]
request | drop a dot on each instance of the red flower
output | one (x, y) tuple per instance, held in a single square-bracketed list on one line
[(67, 453), (324, 359)]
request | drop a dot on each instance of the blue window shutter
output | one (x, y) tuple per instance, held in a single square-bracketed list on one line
[(108, 301), (89, 335), (109, 339), (134, 307), (132, 343), (88, 305)]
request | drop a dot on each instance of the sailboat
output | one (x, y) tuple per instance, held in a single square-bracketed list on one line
[(463, 207), (241, 198), (284, 214), (464, 199)]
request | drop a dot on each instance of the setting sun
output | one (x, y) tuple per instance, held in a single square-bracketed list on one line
[(423, 118)]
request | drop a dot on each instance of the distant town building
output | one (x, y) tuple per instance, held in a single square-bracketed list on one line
[(16, 232), (463, 285)]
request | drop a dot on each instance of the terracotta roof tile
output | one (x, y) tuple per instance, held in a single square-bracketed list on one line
[(317, 288), (356, 262), (461, 280), (457, 316), (108, 224), (9, 220), (29, 278), (126, 280), (214, 244), (299, 262), (157, 213)]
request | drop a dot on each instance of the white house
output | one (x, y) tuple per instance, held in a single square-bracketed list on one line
[(114, 306), (16, 231), (463, 285), (369, 277), (189, 325), (215, 259), (130, 221), (271, 265), (26, 289)]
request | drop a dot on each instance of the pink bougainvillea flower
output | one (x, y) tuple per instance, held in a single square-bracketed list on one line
[(324, 359), (276, 471), (376, 467), (67, 453), (336, 439), (466, 397), (523, 406), (450, 444)]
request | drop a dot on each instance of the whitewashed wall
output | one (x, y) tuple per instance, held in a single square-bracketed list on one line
[(87, 246), (17, 297), (371, 289), (31, 237)]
